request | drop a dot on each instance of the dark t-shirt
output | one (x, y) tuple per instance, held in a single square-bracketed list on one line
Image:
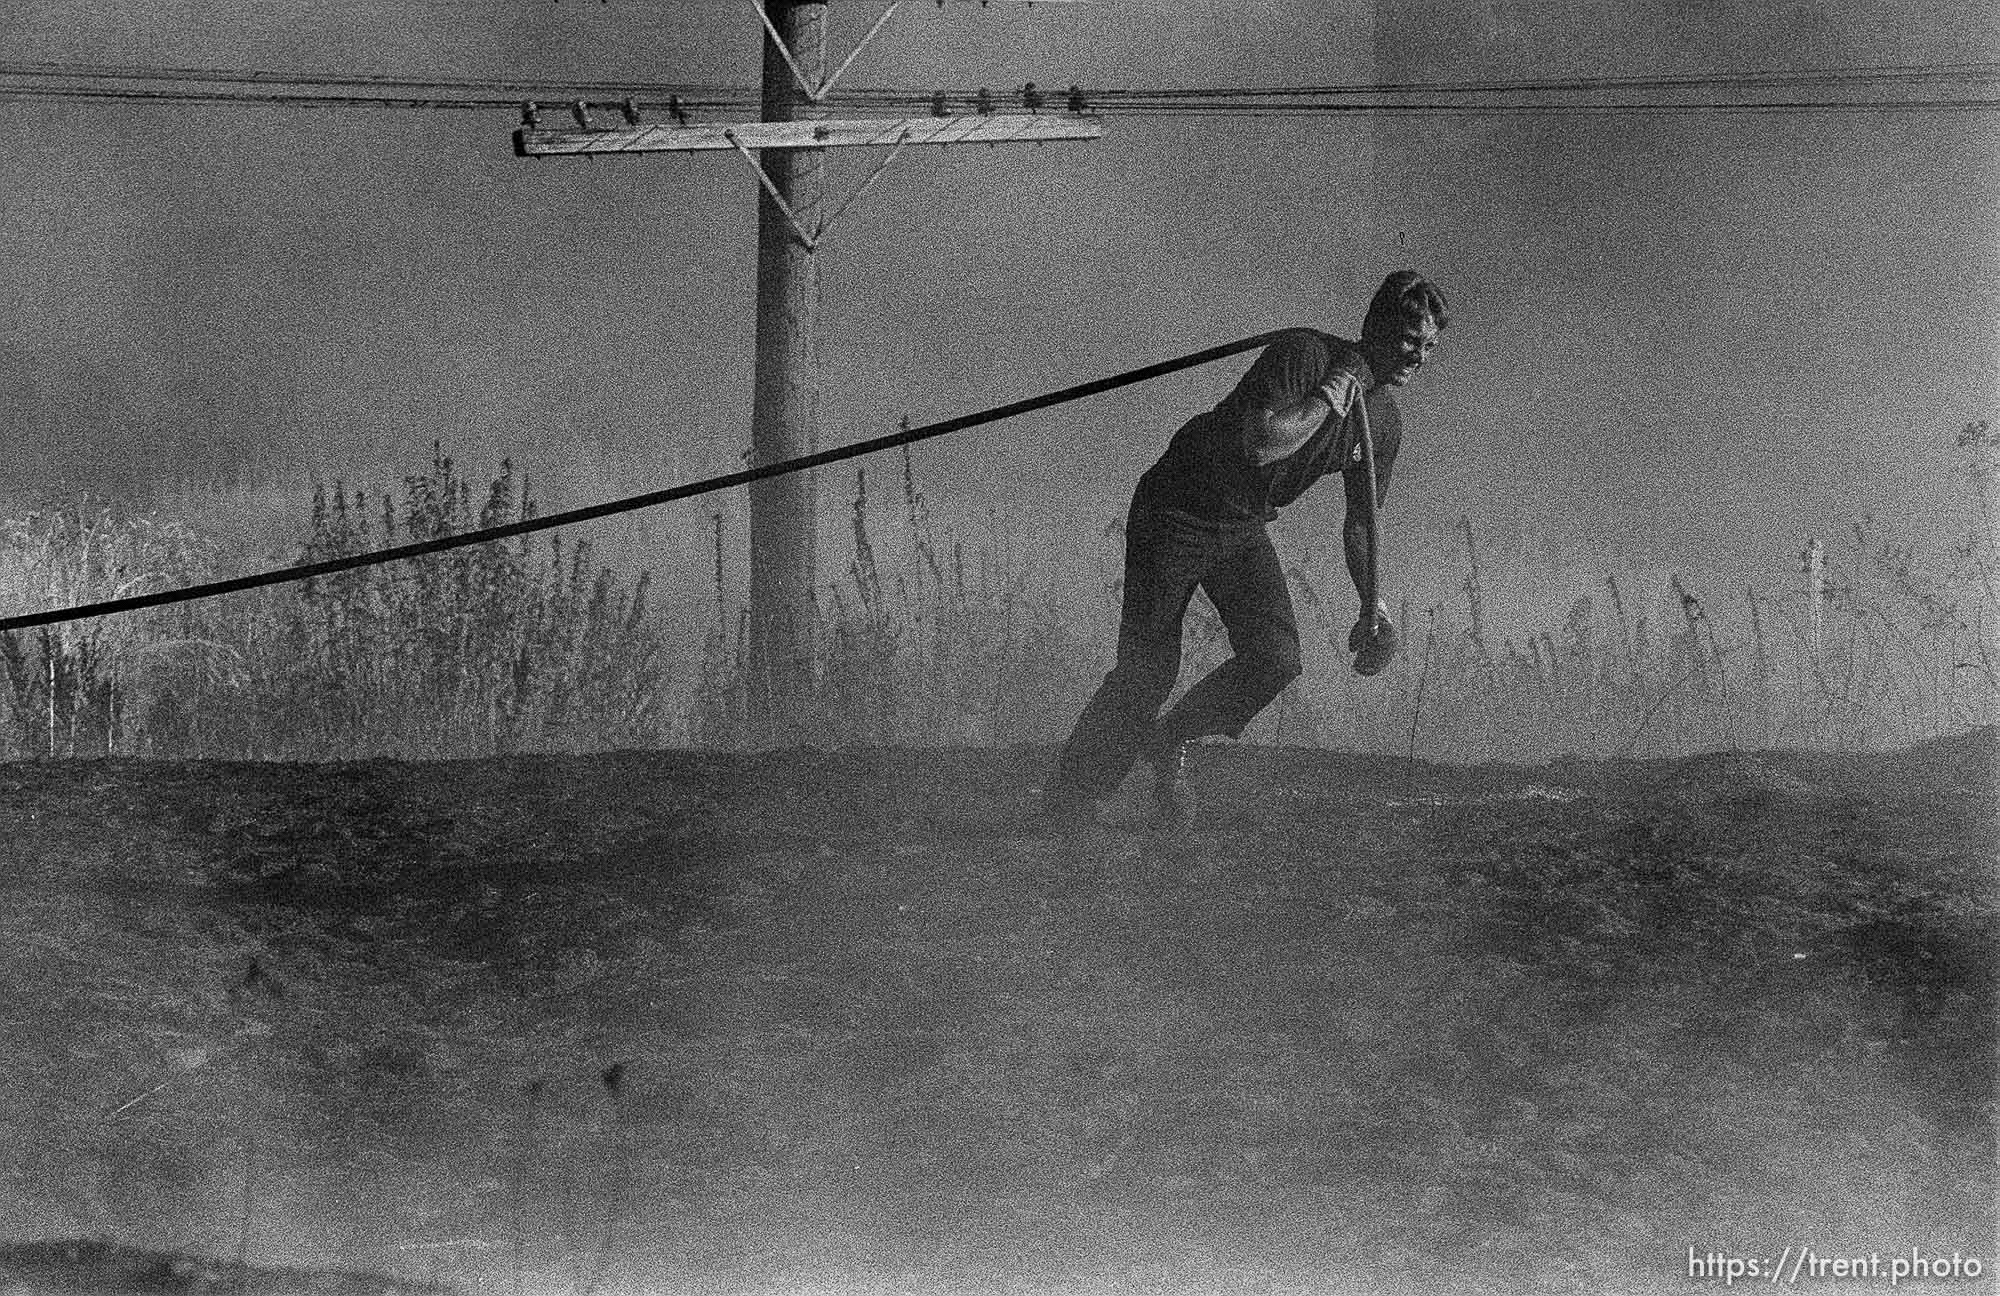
[(1207, 472)]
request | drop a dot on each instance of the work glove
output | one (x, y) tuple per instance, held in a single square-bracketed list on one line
[(1373, 641)]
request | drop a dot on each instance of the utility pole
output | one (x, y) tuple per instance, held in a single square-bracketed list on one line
[(787, 151), (784, 511)]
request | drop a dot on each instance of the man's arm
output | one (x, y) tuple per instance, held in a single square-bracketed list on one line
[(1373, 640), (1289, 392), (1358, 533), (1269, 434), (1358, 543)]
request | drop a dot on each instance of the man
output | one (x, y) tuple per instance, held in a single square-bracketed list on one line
[(1311, 404)]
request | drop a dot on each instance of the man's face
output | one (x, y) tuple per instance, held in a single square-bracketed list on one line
[(1396, 353)]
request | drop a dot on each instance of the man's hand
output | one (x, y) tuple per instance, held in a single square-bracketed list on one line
[(1363, 629), (1373, 641)]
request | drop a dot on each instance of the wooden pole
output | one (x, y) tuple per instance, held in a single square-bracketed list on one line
[(777, 633), (784, 512)]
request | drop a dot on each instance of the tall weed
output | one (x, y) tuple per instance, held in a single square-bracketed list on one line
[(933, 636), (494, 648)]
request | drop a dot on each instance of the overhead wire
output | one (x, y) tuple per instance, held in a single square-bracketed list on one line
[(511, 85), (920, 104), (1986, 69), (1563, 96)]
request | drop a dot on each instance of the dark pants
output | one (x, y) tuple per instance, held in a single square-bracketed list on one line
[(1167, 555)]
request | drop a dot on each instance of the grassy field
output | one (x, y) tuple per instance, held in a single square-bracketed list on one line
[(933, 637), (849, 1022)]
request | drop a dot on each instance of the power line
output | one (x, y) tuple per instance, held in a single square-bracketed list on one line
[(212, 85), (1234, 108), (1453, 108), (1960, 70), (1774, 76), (233, 76)]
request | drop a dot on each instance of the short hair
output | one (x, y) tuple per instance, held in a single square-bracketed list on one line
[(1405, 297)]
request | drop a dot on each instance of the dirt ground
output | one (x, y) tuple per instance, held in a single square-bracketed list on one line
[(853, 1022)]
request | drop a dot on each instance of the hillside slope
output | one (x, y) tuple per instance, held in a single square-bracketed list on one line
[(850, 1021)]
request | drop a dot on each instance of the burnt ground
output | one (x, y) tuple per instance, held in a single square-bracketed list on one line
[(850, 1022)]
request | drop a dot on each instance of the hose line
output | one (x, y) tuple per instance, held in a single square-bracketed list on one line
[(418, 549)]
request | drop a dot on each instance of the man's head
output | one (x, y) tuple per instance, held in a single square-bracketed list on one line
[(1402, 326)]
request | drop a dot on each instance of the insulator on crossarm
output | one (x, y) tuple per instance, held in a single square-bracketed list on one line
[(581, 111), (631, 110), (1031, 98), (531, 115), (676, 110), (983, 101), (938, 108), (1077, 103)]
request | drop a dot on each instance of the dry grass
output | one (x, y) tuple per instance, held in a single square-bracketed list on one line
[(952, 640), (1894, 643), (486, 650)]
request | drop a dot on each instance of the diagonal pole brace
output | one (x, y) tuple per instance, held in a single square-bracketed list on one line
[(818, 93), (806, 86), (798, 227), (865, 185), (826, 86)]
